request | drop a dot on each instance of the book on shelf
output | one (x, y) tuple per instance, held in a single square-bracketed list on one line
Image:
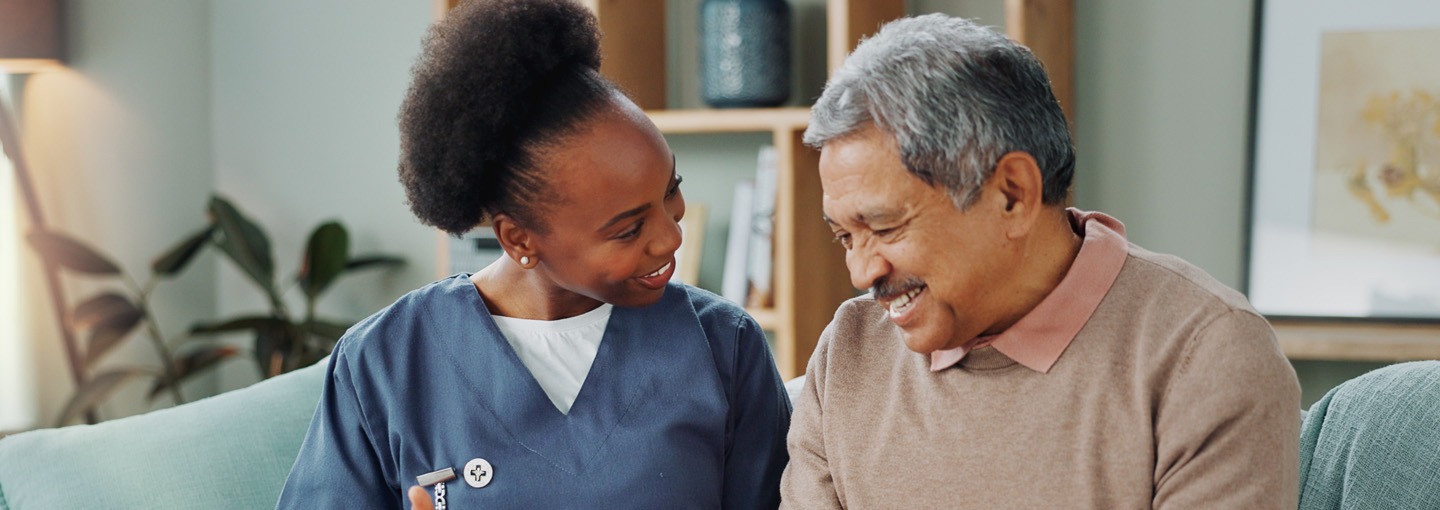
[(735, 282), (692, 241), (762, 231)]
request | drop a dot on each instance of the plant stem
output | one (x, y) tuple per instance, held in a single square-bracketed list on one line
[(153, 328)]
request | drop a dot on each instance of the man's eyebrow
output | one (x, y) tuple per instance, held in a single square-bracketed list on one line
[(869, 218), (618, 217), (880, 216)]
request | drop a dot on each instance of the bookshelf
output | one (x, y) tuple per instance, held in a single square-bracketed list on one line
[(810, 277)]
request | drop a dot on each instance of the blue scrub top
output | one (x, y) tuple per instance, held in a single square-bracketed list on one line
[(682, 408)]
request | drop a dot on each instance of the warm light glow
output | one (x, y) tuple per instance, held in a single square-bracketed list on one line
[(16, 399), (26, 65)]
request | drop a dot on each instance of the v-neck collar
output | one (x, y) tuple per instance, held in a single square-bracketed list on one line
[(488, 366)]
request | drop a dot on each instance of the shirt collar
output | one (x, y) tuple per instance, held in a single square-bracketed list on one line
[(1039, 338)]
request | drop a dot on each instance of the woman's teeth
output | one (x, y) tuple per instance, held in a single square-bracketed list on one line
[(660, 271), (902, 303)]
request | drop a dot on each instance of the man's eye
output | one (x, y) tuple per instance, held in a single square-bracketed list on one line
[(843, 239)]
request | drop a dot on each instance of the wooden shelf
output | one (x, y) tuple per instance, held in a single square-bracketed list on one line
[(1350, 341), (730, 121), (767, 317)]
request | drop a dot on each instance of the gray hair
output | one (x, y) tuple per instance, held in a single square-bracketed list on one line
[(956, 96)]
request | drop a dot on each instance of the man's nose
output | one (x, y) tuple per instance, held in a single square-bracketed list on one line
[(866, 266)]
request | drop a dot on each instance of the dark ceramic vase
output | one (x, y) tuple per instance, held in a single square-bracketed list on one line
[(744, 53)]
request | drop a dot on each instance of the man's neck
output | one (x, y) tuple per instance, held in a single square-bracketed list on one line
[(1047, 256)]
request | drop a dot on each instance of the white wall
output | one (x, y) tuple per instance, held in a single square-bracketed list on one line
[(119, 145), (305, 96), (1162, 100)]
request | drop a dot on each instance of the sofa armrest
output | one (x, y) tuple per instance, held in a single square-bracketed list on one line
[(232, 450)]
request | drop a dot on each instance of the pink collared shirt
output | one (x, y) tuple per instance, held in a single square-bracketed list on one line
[(1041, 336)]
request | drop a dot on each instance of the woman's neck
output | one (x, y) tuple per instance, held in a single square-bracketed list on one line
[(512, 291)]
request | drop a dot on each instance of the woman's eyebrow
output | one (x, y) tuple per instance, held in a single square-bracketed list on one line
[(618, 217)]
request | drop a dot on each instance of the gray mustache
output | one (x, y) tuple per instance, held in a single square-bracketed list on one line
[(886, 289)]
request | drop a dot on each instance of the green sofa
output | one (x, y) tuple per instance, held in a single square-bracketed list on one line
[(1373, 442), (232, 450)]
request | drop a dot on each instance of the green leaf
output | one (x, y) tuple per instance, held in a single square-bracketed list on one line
[(326, 256), (94, 391), (369, 261), (193, 363), (328, 330), (239, 324), (101, 308), (244, 242), (107, 333), (70, 253), (180, 255)]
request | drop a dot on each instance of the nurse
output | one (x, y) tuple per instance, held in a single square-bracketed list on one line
[(570, 373)]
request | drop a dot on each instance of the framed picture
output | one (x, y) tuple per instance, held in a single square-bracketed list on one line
[(1345, 176)]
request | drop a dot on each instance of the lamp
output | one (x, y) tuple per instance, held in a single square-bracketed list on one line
[(30, 41), (30, 37)]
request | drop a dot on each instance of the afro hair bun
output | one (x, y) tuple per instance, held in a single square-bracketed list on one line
[(484, 74)]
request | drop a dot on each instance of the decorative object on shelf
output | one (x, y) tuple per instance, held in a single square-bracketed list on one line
[(1345, 202), (283, 341), (744, 53)]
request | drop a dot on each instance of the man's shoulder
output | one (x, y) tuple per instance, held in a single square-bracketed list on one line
[(860, 330), (1169, 304), (1171, 278)]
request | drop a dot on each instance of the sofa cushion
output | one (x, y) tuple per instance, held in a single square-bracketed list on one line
[(232, 450), (1372, 442)]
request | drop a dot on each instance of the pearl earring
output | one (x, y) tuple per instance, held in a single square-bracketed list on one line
[(524, 261)]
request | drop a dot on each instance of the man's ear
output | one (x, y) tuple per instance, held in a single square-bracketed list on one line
[(1017, 179), (517, 241)]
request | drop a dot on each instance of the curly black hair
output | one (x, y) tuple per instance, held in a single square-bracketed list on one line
[(498, 80)]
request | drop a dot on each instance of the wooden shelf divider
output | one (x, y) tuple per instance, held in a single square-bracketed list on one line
[(1356, 341)]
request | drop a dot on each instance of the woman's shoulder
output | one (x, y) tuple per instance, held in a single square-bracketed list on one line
[(710, 307), (405, 320)]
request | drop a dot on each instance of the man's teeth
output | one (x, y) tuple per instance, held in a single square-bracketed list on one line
[(660, 271), (902, 303)]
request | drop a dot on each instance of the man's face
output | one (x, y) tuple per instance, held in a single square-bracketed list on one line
[(942, 273)]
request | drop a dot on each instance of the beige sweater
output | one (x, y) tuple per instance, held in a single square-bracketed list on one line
[(1173, 395)]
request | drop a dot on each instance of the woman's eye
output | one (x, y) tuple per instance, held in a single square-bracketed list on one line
[(674, 188), (632, 231)]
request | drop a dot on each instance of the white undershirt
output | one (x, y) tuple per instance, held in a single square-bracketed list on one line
[(558, 353)]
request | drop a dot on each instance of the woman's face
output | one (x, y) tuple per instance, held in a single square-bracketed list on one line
[(612, 232)]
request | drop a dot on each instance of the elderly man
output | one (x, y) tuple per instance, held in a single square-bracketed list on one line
[(1013, 353)]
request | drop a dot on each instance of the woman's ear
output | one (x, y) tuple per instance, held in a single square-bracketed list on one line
[(517, 241)]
